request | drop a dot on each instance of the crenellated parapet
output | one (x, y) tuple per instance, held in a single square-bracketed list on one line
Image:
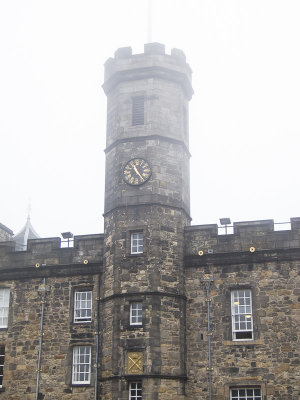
[(154, 62), (49, 255), (247, 236)]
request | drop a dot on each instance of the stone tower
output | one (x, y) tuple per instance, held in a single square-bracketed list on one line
[(146, 210), (153, 308)]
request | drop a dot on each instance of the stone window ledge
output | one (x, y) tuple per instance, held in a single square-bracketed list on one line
[(256, 342)]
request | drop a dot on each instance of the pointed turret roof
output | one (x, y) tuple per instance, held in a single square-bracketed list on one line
[(27, 232)]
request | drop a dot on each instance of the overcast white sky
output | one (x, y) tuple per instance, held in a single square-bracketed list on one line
[(244, 116)]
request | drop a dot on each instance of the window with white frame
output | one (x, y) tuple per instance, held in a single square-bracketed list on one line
[(245, 394), (83, 306), (4, 304), (135, 391), (137, 243), (2, 356), (136, 314), (81, 373), (241, 312)]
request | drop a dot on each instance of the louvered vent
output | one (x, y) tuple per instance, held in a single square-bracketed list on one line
[(138, 110)]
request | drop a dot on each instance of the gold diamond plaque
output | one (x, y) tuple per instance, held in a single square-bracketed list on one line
[(135, 363)]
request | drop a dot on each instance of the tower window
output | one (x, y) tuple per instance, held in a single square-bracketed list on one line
[(81, 373), (137, 243), (2, 355), (83, 306), (138, 110), (4, 304), (241, 314), (135, 391), (245, 394), (136, 314)]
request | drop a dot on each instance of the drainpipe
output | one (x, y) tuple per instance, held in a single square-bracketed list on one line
[(97, 339), (42, 289), (207, 280)]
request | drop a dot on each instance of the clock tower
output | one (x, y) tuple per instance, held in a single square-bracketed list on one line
[(147, 206)]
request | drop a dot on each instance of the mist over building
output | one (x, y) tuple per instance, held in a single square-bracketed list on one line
[(153, 307)]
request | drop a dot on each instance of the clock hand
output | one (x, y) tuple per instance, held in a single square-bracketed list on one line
[(137, 172)]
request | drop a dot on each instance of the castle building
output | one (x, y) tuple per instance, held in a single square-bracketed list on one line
[(153, 308)]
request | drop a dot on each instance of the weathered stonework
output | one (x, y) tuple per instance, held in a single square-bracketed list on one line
[(271, 359), (167, 353), (63, 270)]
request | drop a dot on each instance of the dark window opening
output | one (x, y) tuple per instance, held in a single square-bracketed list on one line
[(243, 335), (138, 110), (135, 391)]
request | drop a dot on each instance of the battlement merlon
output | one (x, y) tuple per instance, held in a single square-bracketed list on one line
[(154, 62), (247, 236), (87, 249)]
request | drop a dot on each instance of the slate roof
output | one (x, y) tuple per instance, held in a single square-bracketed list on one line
[(27, 232), (6, 229)]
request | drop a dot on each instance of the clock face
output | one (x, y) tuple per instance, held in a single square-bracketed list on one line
[(136, 172)]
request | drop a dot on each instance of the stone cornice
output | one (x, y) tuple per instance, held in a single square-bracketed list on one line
[(242, 257), (148, 204), (136, 294), (20, 273), (141, 376), (149, 72), (148, 137)]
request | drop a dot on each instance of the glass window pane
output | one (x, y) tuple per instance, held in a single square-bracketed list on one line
[(81, 364), (241, 313), (83, 306), (136, 242), (245, 394), (4, 304)]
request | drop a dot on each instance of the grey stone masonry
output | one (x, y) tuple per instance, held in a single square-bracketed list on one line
[(159, 210), (64, 270), (257, 234), (165, 82), (182, 312), (266, 262)]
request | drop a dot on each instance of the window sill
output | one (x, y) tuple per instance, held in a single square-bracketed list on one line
[(80, 384), (133, 327), (243, 342)]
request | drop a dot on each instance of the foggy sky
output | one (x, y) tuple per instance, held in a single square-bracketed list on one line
[(244, 115)]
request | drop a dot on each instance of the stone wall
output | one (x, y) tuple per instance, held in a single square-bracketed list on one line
[(173, 338), (271, 271), (64, 270), (155, 278)]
